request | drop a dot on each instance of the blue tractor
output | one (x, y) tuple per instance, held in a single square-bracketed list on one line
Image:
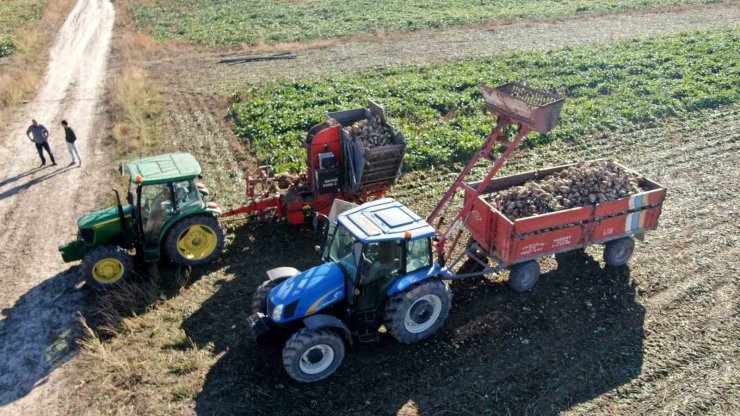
[(377, 269)]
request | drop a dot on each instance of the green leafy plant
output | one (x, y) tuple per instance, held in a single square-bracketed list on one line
[(250, 21), (610, 87)]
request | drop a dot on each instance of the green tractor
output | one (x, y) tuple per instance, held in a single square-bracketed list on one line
[(166, 213)]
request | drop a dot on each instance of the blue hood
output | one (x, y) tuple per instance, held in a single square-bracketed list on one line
[(307, 292)]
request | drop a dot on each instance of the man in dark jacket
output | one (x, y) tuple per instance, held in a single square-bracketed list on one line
[(71, 138), (38, 134)]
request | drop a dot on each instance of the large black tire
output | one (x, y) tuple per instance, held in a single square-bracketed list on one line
[(418, 312), (618, 252), (312, 355), (259, 299), (195, 240), (524, 276), (107, 266)]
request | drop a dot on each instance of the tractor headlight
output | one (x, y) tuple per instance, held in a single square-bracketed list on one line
[(277, 312)]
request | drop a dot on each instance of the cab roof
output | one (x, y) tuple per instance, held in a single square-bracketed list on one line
[(171, 167), (384, 219)]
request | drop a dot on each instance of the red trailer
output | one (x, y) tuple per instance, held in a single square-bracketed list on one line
[(498, 242), (523, 240), (337, 168)]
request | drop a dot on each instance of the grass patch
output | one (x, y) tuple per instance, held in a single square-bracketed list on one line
[(135, 104), (16, 15), (234, 22), (610, 87), (26, 32)]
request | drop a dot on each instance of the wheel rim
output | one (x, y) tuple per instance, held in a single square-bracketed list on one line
[(422, 314), (621, 254), (317, 359), (197, 242), (108, 270)]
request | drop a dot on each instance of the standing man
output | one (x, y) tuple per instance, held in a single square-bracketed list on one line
[(38, 134), (71, 138)]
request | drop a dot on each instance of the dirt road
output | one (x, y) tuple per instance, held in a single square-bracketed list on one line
[(39, 206)]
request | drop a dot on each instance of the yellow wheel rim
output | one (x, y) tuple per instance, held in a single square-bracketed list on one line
[(108, 271), (197, 242)]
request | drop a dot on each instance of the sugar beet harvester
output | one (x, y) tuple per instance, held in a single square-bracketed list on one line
[(338, 167), (379, 266)]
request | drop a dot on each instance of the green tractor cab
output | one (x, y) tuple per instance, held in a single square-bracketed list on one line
[(166, 211)]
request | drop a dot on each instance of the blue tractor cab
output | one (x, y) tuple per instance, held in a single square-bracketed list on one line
[(377, 269)]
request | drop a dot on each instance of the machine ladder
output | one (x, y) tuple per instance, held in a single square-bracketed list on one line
[(516, 106)]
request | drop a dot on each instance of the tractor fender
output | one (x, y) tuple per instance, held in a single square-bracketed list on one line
[(327, 321), (282, 273), (403, 282)]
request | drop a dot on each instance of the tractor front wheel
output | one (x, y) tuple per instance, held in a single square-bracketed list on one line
[(418, 312), (106, 266), (312, 355), (195, 241)]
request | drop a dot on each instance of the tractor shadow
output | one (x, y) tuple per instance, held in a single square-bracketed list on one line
[(575, 336), (39, 333)]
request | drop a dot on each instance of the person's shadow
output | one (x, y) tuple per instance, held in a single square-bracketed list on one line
[(39, 333), (35, 181), (575, 336)]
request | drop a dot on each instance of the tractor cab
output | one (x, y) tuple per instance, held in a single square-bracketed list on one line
[(165, 212), (375, 245), (377, 269)]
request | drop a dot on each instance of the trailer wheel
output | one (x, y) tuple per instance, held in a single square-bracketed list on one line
[(195, 240), (107, 266), (618, 252), (418, 312), (524, 276), (259, 299), (312, 355)]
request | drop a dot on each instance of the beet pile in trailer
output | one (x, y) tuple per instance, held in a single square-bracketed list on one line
[(577, 186)]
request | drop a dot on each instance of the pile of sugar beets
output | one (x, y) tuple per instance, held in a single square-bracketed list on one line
[(371, 133), (577, 186)]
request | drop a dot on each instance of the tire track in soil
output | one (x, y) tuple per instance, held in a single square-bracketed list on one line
[(39, 208)]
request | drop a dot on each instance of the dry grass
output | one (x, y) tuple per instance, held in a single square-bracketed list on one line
[(135, 104), (23, 70)]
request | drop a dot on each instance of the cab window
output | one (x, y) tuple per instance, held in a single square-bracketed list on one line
[(385, 257), (186, 192), (419, 255)]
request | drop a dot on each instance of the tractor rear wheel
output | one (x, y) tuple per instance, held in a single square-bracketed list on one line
[(259, 299), (618, 252), (312, 355), (106, 266), (524, 276), (418, 312), (195, 241)]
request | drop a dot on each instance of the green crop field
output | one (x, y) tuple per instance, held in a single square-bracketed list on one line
[(233, 22), (14, 15), (609, 88)]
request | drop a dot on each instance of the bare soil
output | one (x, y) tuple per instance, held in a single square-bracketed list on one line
[(39, 208), (659, 336), (198, 70)]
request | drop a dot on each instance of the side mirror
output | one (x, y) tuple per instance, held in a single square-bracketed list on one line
[(130, 198), (121, 170)]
